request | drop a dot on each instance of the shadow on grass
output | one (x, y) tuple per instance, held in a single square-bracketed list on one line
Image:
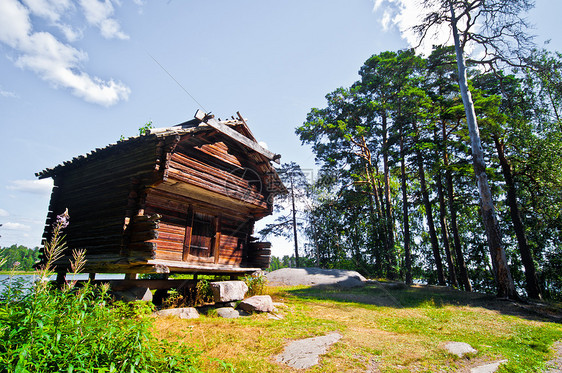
[(398, 295)]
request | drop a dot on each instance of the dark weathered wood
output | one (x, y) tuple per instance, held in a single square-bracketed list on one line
[(129, 203), (202, 116)]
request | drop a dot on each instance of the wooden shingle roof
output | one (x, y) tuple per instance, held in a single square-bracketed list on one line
[(235, 131)]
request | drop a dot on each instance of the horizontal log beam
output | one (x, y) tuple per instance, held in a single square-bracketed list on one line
[(238, 137)]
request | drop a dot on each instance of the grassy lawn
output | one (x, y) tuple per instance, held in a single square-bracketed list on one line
[(384, 328)]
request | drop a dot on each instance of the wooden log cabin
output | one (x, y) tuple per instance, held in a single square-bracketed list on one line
[(177, 199)]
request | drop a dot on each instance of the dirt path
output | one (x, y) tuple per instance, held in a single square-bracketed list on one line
[(555, 365)]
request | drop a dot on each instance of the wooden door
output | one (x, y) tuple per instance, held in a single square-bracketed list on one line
[(200, 237)]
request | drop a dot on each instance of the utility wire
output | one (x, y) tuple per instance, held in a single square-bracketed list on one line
[(174, 79)]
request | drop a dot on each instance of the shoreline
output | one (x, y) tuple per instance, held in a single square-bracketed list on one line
[(17, 273)]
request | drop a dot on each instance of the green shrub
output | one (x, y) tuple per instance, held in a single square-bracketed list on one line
[(256, 283), (77, 330), (203, 292), (175, 299)]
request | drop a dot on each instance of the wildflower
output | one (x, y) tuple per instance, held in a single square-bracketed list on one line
[(62, 219)]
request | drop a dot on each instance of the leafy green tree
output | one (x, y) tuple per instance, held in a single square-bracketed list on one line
[(501, 25), (19, 258)]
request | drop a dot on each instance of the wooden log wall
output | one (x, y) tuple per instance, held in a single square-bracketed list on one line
[(172, 242), (220, 169), (234, 240), (173, 223), (96, 192), (259, 254), (122, 218)]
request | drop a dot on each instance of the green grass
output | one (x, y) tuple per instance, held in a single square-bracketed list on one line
[(400, 329), (11, 272)]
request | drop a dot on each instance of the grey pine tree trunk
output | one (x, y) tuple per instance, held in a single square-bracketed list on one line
[(407, 251), (533, 288), (452, 273), (390, 254), (504, 281), (294, 223), (429, 214), (461, 263)]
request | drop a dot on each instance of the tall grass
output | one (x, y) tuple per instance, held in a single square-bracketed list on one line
[(79, 329)]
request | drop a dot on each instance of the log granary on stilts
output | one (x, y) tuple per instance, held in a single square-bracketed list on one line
[(182, 199)]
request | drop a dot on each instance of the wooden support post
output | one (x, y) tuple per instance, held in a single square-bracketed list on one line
[(61, 278), (92, 276), (130, 276)]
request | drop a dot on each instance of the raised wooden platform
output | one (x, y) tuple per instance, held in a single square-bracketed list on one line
[(169, 266)]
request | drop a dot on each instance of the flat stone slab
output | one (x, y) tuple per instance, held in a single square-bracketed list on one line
[(182, 313), (459, 348), (315, 276), (273, 316), (488, 368), (228, 313), (305, 353), (555, 365)]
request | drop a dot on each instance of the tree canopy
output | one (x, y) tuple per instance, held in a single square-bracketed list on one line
[(397, 196)]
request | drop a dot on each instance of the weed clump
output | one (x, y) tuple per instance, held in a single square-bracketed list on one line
[(256, 283), (79, 329)]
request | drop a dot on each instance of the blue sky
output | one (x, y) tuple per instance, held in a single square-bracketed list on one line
[(76, 75)]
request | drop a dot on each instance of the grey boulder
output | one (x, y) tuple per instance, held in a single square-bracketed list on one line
[(316, 277), (257, 303), (228, 291), (459, 348)]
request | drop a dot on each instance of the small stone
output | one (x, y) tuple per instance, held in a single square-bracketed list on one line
[(275, 316), (459, 348), (257, 303), (488, 368), (228, 313), (182, 313), (228, 291)]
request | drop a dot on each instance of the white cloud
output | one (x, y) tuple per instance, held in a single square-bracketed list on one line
[(98, 13), (405, 14), (386, 19), (43, 186), (53, 11), (377, 4), (71, 34), (15, 226), (52, 60), (9, 94), (49, 9), (4, 213)]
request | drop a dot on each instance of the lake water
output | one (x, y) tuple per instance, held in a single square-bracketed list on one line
[(29, 279)]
